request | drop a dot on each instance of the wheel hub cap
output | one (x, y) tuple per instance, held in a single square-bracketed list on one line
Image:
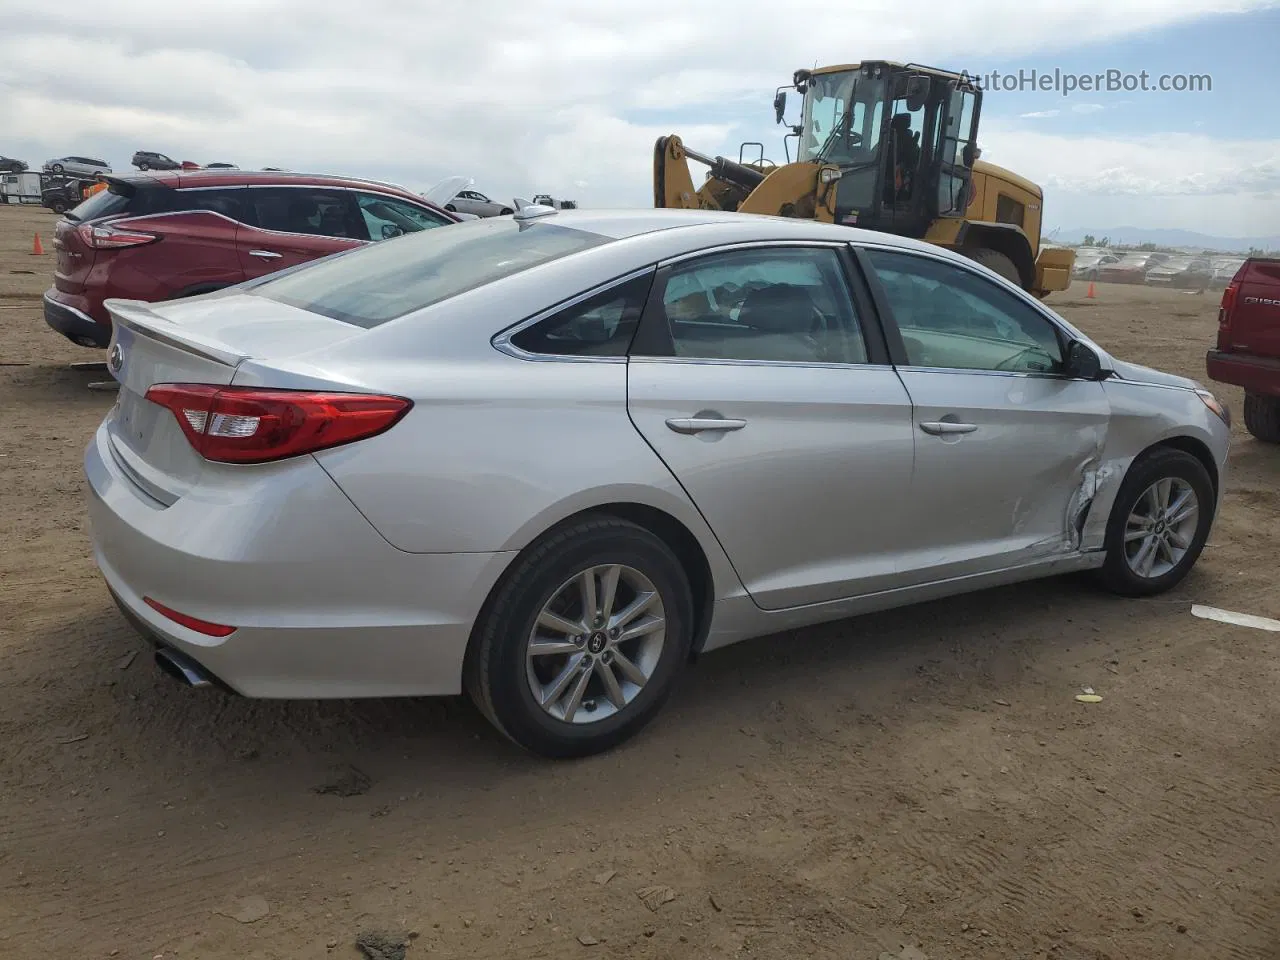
[(1161, 527), (595, 643)]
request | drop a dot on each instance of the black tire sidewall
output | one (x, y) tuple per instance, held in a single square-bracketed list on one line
[(513, 702), (1157, 466)]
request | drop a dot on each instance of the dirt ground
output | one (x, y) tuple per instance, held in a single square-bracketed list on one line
[(921, 781)]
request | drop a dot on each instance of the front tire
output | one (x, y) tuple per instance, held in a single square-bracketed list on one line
[(1159, 523), (57, 168), (579, 646), (996, 261), (1262, 417)]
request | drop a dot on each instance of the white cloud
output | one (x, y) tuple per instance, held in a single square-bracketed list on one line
[(563, 96), (1040, 114), (1087, 107)]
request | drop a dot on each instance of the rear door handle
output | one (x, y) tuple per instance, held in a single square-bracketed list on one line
[(703, 424), (265, 254), (942, 428)]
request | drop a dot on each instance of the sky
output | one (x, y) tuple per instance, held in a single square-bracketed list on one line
[(568, 96)]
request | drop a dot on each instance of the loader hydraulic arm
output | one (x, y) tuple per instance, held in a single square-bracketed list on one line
[(730, 183)]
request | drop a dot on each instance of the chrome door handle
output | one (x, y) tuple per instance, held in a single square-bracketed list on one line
[(265, 254), (701, 424), (941, 428)]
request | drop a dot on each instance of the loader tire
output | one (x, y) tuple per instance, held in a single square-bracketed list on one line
[(996, 261), (1262, 417)]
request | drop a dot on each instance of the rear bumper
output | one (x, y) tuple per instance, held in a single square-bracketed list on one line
[(1259, 375), (323, 606), (70, 316)]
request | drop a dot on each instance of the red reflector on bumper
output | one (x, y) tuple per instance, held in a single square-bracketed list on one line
[(191, 623)]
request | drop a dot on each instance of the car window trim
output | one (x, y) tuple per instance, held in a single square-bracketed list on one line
[(889, 323), (501, 341), (653, 339)]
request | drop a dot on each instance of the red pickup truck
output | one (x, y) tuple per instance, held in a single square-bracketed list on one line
[(1248, 349)]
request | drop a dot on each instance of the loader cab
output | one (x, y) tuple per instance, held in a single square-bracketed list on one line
[(902, 135)]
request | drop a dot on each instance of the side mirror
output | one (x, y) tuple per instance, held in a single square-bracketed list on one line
[(390, 230), (917, 93), (1082, 363), (780, 105)]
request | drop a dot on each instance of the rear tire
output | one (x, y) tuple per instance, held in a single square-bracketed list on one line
[(57, 168), (1262, 417), (1140, 529), (500, 676), (997, 261), (506, 212), (58, 206), (144, 166)]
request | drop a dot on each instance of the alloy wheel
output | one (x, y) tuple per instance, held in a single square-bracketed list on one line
[(1161, 527), (595, 643)]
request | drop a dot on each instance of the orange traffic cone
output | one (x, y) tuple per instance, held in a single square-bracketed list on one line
[(1090, 295), (37, 248)]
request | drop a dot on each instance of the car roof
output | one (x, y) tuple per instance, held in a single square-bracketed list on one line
[(729, 227), (223, 177), (227, 177)]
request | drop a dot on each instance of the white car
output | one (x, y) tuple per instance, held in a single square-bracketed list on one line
[(546, 458), (77, 166)]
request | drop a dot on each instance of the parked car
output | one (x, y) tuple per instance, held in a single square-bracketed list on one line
[(565, 450), (157, 236), (1130, 268), (61, 194), (1191, 273), (77, 166), (1086, 266), (1247, 353), (221, 166), (150, 160), (10, 165), (1223, 271), (475, 202)]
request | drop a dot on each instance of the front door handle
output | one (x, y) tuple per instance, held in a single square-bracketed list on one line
[(703, 424), (265, 254), (942, 428)]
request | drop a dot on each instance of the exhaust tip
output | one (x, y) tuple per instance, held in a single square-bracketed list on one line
[(182, 668)]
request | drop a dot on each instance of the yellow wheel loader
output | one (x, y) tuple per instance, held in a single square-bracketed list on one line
[(883, 146)]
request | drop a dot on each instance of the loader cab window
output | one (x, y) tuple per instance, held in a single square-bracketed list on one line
[(842, 119), (954, 142)]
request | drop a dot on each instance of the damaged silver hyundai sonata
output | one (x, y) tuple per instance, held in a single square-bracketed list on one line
[(545, 458)]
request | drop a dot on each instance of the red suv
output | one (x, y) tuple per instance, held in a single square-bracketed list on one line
[(165, 235)]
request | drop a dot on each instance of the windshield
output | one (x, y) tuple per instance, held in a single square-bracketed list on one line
[(842, 118), (389, 279)]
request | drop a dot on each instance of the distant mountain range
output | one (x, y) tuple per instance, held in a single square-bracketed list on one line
[(1168, 238)]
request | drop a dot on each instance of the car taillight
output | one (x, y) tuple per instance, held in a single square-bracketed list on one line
[(257, 425), (112, 238), (1226, 308)]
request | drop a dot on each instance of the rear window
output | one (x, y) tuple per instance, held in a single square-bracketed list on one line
[(391, 278), (104, 203), (122, 198)]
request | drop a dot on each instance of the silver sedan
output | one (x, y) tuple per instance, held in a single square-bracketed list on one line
[(546, 458)]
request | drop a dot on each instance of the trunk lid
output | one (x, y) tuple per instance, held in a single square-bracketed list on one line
[(73, 258), (200, 340), (1249, 321)]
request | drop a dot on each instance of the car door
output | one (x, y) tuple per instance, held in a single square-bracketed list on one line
[(292, 225), (759, 377), (1006, 442)]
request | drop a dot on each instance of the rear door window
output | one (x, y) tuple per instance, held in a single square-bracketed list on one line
[(308, 210), (230, 202)]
